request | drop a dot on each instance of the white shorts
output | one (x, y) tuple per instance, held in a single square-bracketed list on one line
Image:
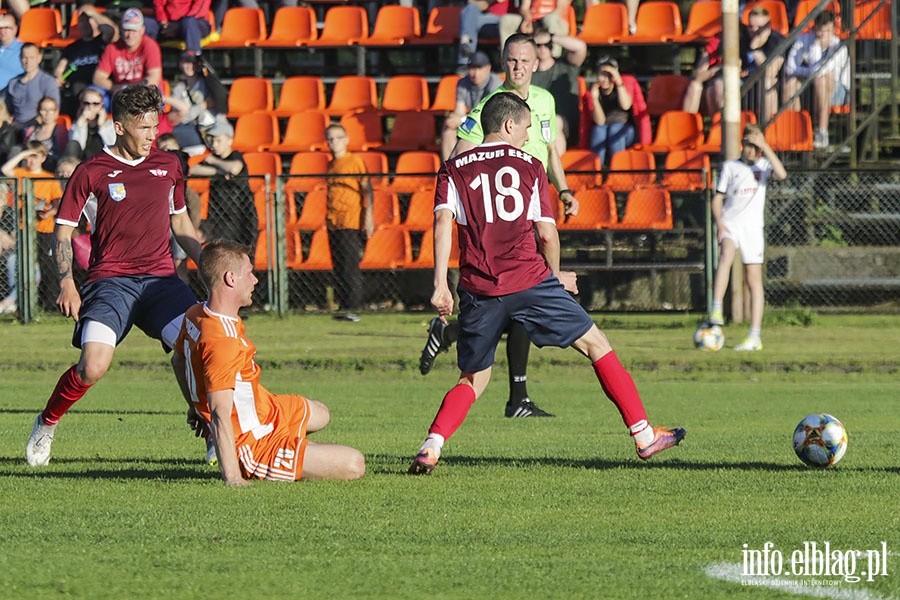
[(751, 241)]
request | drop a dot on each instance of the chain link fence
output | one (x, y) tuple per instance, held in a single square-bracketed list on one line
[(833, 241)]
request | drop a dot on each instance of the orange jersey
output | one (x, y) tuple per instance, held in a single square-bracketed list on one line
[(345, 196), (46, 191), (269, 429)]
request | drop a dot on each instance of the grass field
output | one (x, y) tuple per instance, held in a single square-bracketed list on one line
[(531, 508)]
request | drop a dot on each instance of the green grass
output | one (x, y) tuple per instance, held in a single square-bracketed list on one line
[(533, 508)]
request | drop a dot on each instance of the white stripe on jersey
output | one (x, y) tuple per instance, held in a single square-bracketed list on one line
[(258, 469)]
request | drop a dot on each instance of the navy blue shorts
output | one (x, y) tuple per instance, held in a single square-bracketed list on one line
[(148, 301), (550, 314)]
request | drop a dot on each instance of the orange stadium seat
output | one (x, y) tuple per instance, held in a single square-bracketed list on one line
[(394, 26), (445, 95), (385, 207), (250, 94), (442, 28), (647, 208), (596, 210), (687, 160), (300, 93), (405, 92), (713, 142), (790, 131), (420, 214), (412, 130), (657, 22), (305, 132), (376, 164), (364, 130), (255, 132), (318, 258), (875, 19), (415, 161), (389, 248), (425, 259), (631, 160), (605, 23), (201, 186), (241, 28), (263, 163), (352, 93), (344, 26), (40, 25), (704, 21), (676, 130), (292, 26), (575, 159), (312, 211), (804, 7), (307, 163)]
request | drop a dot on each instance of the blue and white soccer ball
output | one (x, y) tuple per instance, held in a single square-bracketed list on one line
[(820, 440), (709, 338)]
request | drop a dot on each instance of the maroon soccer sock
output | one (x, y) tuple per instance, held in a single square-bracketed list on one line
[(453, 410), (620, 388), (68, 391)]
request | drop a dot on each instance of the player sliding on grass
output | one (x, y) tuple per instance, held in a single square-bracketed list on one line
[(257, 434), (498, 196), (132, 195)]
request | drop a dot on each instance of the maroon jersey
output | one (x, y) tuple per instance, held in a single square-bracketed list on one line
[(496, 192), (127, 204)]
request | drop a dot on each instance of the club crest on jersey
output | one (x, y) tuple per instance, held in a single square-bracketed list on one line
[(117, 191), (545, 131), (158, 172)]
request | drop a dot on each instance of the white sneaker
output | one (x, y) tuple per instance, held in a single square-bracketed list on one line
[(820, 140), (211, 458), (37, 452), (749, 345)]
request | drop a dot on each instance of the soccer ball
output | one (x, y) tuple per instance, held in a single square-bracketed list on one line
[(820, 440), (709, 338)]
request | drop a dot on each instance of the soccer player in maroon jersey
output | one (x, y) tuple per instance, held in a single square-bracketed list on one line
[(132, 195), (497, 194)]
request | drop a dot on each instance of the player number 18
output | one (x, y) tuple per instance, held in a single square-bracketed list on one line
[(499, 200)]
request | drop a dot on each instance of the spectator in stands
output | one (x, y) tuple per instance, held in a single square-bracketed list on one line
[(616, 109), (135, 57), (560, 78), (553, 14), (707, 80), (232, 212), (10, 50), (47, 130), (193, 87), (478, 83), (65, 167), (47, 195), (25, 91), (75, 69), (819, 55), (183, 20), (92, 128), (757, 44), (348, 217), (478, 17), (20, 7)]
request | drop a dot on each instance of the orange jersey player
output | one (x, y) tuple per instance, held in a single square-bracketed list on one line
[(257, 434)]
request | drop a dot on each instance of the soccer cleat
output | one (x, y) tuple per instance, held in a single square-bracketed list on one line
[(37, 452), (524, 408), (749, 345), (716, 318), (433, 346), (662, 438), (211, 458), (424, 463)]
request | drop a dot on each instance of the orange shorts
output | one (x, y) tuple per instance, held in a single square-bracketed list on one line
[(279, 455)]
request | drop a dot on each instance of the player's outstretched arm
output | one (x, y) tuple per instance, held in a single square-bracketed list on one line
[(69, 300), (442, 299), (186, 236), (221, 403)]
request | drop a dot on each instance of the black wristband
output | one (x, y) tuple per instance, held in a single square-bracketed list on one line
[(566, 191)]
